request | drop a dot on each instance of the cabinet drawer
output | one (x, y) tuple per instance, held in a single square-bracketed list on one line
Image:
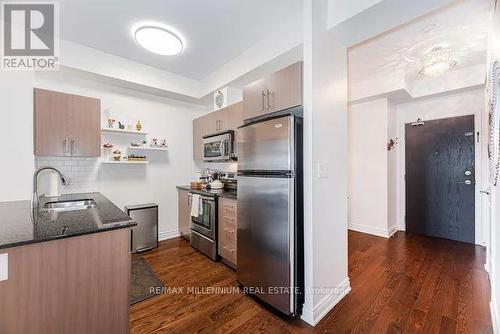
[(228, 251), (228, 232), (228, 207)]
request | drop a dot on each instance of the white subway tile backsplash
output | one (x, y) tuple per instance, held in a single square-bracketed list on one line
[(81, 172)]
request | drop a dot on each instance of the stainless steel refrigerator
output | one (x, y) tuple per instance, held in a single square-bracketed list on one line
[(270, 212)]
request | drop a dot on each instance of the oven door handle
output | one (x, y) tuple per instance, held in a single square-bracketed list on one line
[(211, 199)]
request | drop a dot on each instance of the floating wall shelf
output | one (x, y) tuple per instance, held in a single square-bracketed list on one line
[(124, 162), (148, 148), (124, 131)]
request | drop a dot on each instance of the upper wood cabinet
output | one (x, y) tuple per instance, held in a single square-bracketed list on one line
[(229, 118), (66, 124), (278, 91)]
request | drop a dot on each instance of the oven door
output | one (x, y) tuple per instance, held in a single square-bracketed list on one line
[(205, 223)]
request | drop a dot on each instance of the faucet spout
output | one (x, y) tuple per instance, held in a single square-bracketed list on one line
[(35, 198)]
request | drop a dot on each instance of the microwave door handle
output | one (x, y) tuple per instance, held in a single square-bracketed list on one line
[(223, 148)]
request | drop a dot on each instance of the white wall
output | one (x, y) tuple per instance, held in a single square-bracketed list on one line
[(341, 10), (494, 249), (368, 167), (125, 185), (325, 148), (392, 168), (16, 135), (376, 176)]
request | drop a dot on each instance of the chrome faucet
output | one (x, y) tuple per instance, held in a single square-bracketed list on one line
[(35, 199)]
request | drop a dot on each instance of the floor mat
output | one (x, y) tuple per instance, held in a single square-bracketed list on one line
[(144, 283)]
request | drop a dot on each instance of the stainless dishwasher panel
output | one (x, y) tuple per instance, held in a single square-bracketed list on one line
[(145, 234)]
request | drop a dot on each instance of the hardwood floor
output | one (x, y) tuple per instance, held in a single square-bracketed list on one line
[(407, 284)]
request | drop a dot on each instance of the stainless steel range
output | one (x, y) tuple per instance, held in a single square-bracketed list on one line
[(204, 227)]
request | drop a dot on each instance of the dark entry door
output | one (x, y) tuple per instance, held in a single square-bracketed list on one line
[(440, 179)]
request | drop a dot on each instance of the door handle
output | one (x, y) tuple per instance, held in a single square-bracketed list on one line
[(485, 192), (467, 182)]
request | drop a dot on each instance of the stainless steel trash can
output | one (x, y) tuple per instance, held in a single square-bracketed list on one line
[(144, 236)]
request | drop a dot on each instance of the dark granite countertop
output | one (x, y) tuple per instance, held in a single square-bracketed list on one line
[(17, 227), (232, 194)]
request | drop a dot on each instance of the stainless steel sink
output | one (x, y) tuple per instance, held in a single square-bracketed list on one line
[(73, 205)]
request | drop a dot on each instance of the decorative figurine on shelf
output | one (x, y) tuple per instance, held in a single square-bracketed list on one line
[(117, 155), (154, 142), (135, 144), (163, 143), (144, 143), (111, 120), (121, 126), (392, 144), (139, 126), (111, 123), (108, 145)]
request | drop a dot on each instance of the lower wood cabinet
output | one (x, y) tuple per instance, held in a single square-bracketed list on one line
[(77, 285), (184, 214), (228, 230)]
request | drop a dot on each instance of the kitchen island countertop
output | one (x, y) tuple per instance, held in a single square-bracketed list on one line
[(17, 228)]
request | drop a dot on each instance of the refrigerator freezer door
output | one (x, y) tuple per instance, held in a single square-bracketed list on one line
[(265, 239), (267, 146)]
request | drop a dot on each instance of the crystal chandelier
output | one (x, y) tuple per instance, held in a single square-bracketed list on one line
[(438, 61)]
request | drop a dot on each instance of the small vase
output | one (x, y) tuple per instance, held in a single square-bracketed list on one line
[(139, 126)]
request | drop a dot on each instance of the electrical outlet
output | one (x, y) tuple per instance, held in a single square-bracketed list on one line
[(4, 267), (322, 171)]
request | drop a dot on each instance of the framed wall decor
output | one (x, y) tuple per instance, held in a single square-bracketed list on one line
[(494, 121)]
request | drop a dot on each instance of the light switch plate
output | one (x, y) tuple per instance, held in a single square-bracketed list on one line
[(322, 171), (4, 267)]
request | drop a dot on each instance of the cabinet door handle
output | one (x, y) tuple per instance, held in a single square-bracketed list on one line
[(263, 100), (269, 99), (73, 146), (66, 145), (228, 249)]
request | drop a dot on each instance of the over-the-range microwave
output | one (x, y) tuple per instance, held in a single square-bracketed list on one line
[(219, 146)]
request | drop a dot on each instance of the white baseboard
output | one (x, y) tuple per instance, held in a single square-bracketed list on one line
[(494, 316), (487, 265), (384, 233), (165, 235), (313, 315)]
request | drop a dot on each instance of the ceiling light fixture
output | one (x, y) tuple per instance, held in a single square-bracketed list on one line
[(158, 39), (435, 63)]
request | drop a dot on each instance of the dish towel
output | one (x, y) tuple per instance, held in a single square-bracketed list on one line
[(195, 205)]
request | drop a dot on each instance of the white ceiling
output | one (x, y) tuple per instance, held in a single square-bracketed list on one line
[(215, 31), (462, 26)]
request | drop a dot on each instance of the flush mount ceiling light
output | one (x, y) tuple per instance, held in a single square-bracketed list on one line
[(435, 63), (159, 40)]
